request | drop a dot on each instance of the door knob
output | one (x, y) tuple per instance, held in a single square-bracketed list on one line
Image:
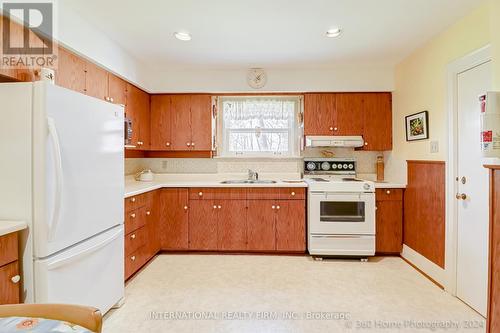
[(462, 196)]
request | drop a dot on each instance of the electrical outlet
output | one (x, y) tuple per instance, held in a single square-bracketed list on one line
[(164, 165), (434, 147)]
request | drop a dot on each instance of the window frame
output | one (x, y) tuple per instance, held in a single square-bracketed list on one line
[(295, 132)]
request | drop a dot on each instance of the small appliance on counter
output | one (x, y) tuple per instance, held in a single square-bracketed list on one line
[(145, 176)]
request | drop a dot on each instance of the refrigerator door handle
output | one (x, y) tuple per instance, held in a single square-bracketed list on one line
[(56, 212), (76, 256)]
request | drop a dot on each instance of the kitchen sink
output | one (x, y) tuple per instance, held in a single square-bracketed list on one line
[(248, 181)]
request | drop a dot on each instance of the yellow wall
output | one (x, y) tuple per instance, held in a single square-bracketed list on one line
[(421, 84), (495, 40)]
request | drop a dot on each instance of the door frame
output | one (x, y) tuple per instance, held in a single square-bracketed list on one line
[(469, 61)]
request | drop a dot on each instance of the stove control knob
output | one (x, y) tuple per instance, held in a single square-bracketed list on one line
[(345, 166), (366, 186), (339, 166), (311, 166), (334, 166), (325, 166), (351, 166)]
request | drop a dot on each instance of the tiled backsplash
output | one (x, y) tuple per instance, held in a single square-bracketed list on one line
[(366, 163)]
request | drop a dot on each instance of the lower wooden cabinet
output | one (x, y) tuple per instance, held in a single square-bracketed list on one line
[(202, 225), (261, 225), (174, 219), (290, 225), (231, 225), (10, 280), (389, 221)]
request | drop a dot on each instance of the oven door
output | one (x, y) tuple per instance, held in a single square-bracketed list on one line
[(333, 213)]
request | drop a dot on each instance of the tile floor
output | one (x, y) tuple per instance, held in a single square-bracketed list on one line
[(246, 293)]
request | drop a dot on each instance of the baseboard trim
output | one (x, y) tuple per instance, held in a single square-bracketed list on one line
[(424, 265)]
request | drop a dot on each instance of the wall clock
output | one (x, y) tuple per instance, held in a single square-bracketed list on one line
[(256, 78)]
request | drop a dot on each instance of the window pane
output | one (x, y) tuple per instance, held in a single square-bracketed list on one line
[(264, 142), (258, 113)]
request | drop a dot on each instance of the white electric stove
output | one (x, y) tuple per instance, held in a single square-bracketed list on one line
[(341, 209)]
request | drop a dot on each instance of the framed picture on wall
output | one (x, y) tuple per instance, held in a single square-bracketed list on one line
[(417, 126)]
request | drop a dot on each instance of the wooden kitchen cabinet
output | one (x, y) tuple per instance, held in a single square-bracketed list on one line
[(389, 221), (202, 225), (137, 109), (181, 120), (320, 114), (201, 122), (377, 121), (174, 219), (152, 228), (70, 72), (96, 81), (261, 225), (10, 279), (231, 225), (10, 73), (117, 90), (290, 226), (161, 123), (349, 115)]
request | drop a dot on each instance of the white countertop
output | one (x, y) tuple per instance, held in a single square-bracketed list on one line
[(389, 185), (133, 187), (7, 227)]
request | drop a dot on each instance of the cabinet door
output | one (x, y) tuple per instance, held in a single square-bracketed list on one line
[(201, 122), (11, 73), (291, 226), (70, 71), (96, 81), (174, 221), (9, 289), (137, 109), (181, 122), (261, 225), (160, 122), (231, 228), (377, 125), (32, 73), (152, 208), (202, 225), (319, 114), (389, 227), (349, 114), (117, 89)]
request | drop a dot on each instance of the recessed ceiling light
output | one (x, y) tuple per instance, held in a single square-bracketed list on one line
[(334, 32), (183, 36)]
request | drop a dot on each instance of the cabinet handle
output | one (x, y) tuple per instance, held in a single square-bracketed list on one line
[(132, 236), (388, 192), (188, 144), (335, 128), (215, 206), (148, 213), (15, 278), (132, 200), (111, 99), (132, 258), (278, 207), (168, 144), (331, 128), (200, 193), (293, 194), (273, 207), (366, 143), (185, 207), (192, 144), (132, 215), (219, 207), (106, 98)]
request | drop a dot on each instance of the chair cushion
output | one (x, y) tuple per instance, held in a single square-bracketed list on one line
[(38, 325)]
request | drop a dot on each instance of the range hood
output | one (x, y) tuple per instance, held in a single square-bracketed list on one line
[(334, 141)]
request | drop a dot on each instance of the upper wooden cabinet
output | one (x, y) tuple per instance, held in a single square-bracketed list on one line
[(96, 81), (189, 115), (70, 72), (117, 90), (319, 114), (137, 109), (377, 121), (366, 114)]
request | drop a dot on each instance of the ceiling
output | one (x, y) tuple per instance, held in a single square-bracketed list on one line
[(231, 34)]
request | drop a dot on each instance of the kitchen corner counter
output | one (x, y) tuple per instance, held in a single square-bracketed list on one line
[(7, 227), (134, 187)]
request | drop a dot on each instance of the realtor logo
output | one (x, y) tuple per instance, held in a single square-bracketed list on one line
[(27, 30)]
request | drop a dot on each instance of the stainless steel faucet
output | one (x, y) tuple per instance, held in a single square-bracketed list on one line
[(252, 175)]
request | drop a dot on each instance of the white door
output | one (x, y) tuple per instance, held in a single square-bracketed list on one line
[(90, 273), (80, 192), (473, 211)]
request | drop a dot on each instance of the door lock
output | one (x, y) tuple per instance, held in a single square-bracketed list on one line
[(463, 180), (462, 196)]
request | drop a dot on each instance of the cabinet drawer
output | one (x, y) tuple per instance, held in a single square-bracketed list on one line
[(8, 248), (134, 202), (10, 282), (132, 263), (292, 193), (223, 193), (201, 193), (389, 194), (135, 240), (263, 193), (135, 219)]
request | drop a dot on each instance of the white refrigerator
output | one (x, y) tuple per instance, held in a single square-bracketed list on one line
[(61, 171)]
